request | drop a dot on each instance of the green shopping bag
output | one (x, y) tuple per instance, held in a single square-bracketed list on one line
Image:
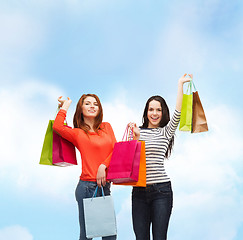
[(186, 111), (46, 153)]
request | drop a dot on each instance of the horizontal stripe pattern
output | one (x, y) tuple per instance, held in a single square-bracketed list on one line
[(156, 144)]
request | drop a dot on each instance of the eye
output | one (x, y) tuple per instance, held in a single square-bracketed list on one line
[(159, 109)]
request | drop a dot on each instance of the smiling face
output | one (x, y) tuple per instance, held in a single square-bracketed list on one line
[(90, 107), (154, 114)]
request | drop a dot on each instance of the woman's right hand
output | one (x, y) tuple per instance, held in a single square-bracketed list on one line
[(64, 104), (136, 131)]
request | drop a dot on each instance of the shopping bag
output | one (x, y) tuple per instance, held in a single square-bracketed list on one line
[(199, 122), (57, 151), (46, 153), (99, 216), (125, 161), (142, 170), (186, 111), (63, 151), (193, 118)]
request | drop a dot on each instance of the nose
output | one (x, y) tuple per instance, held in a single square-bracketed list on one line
[(154, 112)]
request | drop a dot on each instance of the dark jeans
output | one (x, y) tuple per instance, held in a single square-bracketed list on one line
[(152, 204), (85, 189)]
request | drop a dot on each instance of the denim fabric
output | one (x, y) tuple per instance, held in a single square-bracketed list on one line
[(152, 205), (85, 189)]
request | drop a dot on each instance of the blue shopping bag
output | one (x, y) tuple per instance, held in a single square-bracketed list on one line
[(99, 216)]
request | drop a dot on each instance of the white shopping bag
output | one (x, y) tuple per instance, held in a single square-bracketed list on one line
[(99, 216)]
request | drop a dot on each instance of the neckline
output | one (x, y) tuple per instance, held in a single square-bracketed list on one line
[(92, 133)]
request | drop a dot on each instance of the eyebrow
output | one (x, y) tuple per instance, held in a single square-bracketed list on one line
[(155, 108), (87, 101)]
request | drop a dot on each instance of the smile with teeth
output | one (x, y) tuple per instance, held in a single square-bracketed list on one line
[(154, 118), (91, 111)]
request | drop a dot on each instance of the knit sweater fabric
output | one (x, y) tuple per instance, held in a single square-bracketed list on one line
[(156, 144), (95, 148)]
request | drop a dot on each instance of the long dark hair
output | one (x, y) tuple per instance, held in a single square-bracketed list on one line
[(78, 119), (164, 120)]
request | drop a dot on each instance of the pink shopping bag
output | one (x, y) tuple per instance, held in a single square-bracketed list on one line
[(125, 161), (63, 151)]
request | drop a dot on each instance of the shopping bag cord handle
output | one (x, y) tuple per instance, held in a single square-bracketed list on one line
[(128, 134), (190, 84), (95, 192)]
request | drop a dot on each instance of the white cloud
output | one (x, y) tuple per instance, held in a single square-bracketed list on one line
[(205, 176), (119, 115), (124, 220), (27, 108), (197, 38), (203, 166), (15, 232)]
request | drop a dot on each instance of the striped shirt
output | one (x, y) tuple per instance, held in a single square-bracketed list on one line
[(156, 145)]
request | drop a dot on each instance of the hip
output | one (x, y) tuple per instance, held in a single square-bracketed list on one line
[(153, 191)]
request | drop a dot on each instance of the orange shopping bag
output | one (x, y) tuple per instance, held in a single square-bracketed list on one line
[(142, 170)]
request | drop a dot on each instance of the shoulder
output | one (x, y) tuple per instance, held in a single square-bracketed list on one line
[(105, 125), (151, 129)]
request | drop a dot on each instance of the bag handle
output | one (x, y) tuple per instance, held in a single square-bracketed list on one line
[(128, 134), (194, 86), (96, 190), (190, 84)]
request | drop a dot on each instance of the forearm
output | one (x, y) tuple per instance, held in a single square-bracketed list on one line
[(179, 96), (181, 81), (62, 129), (58, 125)]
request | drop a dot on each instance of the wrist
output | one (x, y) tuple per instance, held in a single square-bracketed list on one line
[(102, 166), (66, 105)]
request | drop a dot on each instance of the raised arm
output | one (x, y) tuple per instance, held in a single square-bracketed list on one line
[(181, 81), (58, 125), (64, 104)]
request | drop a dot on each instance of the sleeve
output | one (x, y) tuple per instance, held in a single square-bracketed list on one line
[(64, 131), (172, 124), (113, 139)]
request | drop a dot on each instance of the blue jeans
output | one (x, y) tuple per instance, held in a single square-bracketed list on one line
[(85, 189), (152, 204)]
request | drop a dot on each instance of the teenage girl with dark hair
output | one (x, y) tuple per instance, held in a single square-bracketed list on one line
[(153, 204), (95, 141)]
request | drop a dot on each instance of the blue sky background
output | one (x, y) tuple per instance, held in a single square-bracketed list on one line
[(124, 51)]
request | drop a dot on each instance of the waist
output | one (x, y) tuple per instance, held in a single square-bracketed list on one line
[(157, 184)]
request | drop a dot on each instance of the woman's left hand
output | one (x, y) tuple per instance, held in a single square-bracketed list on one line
[(182, 80), (101, 175), (185, 78)]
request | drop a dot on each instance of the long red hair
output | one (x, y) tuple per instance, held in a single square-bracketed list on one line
[(78, 119)]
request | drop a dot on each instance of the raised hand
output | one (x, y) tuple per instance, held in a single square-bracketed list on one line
[(64, 104), (185, 78)]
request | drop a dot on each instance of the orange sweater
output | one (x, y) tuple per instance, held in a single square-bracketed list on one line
[(95, 149)]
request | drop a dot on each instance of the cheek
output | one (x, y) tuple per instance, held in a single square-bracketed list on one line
[(148, 115), (84, 109)]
